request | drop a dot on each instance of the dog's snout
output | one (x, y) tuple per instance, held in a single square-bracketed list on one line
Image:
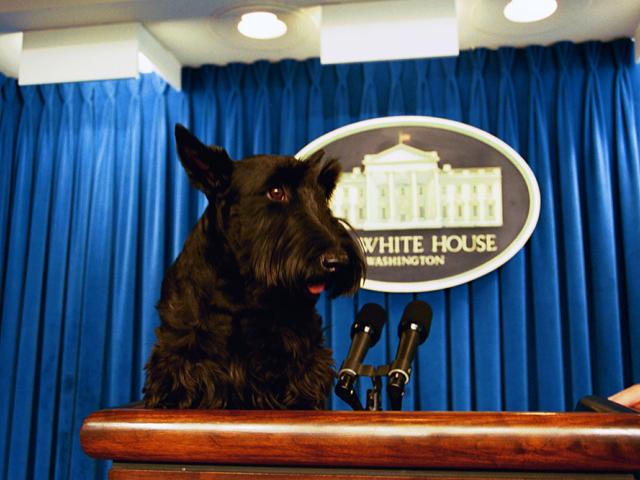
[(334, 260)]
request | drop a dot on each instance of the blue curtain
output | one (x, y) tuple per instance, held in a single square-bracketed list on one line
[(94, 206)]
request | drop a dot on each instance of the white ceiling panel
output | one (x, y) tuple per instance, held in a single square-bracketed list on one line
[(204, 31)]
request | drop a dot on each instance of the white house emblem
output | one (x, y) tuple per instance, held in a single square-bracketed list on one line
[(436, 203), (404, 187)]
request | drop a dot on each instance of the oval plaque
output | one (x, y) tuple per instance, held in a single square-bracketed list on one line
[(436, 203)]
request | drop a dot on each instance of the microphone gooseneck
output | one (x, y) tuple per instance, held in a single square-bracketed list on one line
[(365, 333), (413, 331)]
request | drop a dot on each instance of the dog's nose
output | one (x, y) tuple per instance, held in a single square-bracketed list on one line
[(332, 261)]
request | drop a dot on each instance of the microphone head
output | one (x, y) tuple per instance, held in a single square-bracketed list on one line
[(419, 314), (370, 318)]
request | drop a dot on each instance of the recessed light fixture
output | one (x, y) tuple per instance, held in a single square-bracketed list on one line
[(525, 11), (261, 25)]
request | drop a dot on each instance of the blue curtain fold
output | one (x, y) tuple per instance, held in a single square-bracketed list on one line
[(232, 114), (289, 127), (65, 433), (342, 115), (98, 287), (9, 117), (315, 116), (94, 205), (627, 167), (576, 310), (56, 277), (423, 105), (34, 290), (485, 290), (547, 331), (126, 269), (369, 102), (460, 339), (396, 97), (261, 109), (16, 269), (513, 283), (605, 327)]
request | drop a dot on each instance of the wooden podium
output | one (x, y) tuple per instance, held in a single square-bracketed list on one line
[(275, 445)]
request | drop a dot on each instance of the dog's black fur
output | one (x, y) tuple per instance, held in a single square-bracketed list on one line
[(239, 328)]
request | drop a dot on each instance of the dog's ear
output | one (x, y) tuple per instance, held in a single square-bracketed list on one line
[(209, 168), (315, 159), (329, 175), (327, 172)]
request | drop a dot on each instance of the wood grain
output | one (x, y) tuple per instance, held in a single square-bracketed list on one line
[(143, 473), (428, 440)]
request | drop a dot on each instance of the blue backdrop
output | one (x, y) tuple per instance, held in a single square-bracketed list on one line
[(94, 206)]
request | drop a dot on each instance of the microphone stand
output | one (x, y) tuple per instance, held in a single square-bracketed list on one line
[(346, 389), (350, 396), (373, 394)]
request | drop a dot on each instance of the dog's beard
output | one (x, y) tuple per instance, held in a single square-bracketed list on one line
[(290, 261), (351, 278)]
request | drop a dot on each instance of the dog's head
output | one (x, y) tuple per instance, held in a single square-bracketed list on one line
[(273, 213)]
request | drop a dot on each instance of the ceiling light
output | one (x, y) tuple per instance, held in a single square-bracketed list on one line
[(261, 25), (524, 11)]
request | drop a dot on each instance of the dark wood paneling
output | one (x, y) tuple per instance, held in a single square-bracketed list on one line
[(194, 472), (154, 475), (430, 440)]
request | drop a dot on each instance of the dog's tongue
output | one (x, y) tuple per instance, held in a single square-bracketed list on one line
[(316, 288)]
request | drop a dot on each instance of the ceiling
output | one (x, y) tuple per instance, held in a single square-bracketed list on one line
[(204, 31)]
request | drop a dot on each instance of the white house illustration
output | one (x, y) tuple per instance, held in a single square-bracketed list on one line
[(404, 188)]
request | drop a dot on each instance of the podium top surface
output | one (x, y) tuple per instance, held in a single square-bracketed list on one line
[(427, 440)]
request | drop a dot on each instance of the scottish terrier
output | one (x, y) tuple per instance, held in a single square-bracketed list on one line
[(239, 328)]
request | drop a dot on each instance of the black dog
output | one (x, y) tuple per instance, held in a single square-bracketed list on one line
[(239, 328)]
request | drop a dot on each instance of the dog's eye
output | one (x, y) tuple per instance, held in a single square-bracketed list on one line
[(277, 194)]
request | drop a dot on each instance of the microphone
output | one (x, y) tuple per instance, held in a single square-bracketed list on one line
[(413, 331), (365, 333)]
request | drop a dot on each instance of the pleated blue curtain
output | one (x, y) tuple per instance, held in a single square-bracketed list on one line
[(458, 297), (98, 286), (232, 116), (396, 98), (261, 109), (94, 205), (57, 274), (606, 340), (18, 233), (9, 109), (288, 117), (423, 104), (66, 388), (513, 284), (34, 288), (436, 378), (546, 338), (341, 115), (485, 292), (573, 257), (315, 108), (127, 238), (627, 168)]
